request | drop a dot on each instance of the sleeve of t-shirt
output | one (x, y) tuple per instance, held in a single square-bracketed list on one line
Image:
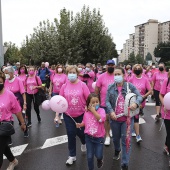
[(148, 85), (164, 87), (102, 114), (131, 80), (86, 91), (15, 106), (99, 82), (62, 90), (21, 86), (39, 81), (91, 74)]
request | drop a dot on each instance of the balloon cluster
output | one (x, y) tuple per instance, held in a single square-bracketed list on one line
[(57, 103)]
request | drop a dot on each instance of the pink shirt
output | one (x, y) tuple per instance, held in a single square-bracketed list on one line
[(52, 73), (23, 78), (92, 126), (128, 76), (15, 86), (57, 81), (164, 90), (149, 76), (8, 106), (158, 79), (103, 82), (16, 72), (120, 105), (90, 80), (98, 75), (76, 96), (80, 77), (31, 82)]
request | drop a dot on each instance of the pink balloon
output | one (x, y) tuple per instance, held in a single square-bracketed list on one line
[(46, 105), (93, 85), (46, 64), (58, 104), (166, 101)]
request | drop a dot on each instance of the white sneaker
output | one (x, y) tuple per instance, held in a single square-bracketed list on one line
[(70, 160), (133, 134), (110, 132), (107, 141), (138, 139), (147, 100), (12, 165), (83, 148)]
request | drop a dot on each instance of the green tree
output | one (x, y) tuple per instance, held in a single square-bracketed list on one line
[(148, 57), (163, 51), (132, 59), (139, 59)]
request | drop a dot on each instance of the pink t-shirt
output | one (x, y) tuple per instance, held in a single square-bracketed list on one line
[(76, 96), (23, 78), (158, 79), (16, 72), (164, 90), (31, 82), (15, 86), (8, 106), (57, 81), (90, 80), (120, 105), (103, 82), (80, 77), (149, 76), (128, 76), (92, 126), (98, 75), (52, 73)]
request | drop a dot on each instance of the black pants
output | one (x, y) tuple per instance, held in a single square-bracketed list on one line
[(156, 95), (167, 126), (32, 98), (4, 149)]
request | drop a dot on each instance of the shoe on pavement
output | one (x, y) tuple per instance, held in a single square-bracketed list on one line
[(158, 117), (83, 148), (99, 163), (70, 160), (110, 133), (39, 118), (117, 155), (133, 134), (166, 150), (138, 139), (124, 167), (26, 134), (107, 141), (29, 124), (13, 164)]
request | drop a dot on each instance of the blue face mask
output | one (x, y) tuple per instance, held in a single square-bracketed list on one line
[(72, 77), (97, 107), (118, 79)]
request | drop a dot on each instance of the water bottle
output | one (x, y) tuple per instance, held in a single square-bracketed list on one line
[(57, 124)]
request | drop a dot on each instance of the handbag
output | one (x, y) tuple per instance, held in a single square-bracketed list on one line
[(40, 96), (6, 129)]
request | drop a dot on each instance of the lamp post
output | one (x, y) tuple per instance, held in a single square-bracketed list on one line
[(1, 41)]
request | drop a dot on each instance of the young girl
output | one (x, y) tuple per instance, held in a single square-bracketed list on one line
[(93, 121)]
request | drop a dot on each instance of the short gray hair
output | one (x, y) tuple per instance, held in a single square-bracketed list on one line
[(10, 69)]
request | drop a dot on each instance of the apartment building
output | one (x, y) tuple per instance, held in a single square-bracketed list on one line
[(146, 38), (164, 32)]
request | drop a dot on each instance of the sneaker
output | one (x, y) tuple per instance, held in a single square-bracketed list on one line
[(117, 155), (10, 141), (147, 100), (141, 113), (13, 164), (83, 148), (26, 134), (158, 117), (110, 132), (166, 150), (107, 141), (99, 163), (124, 167), (39, 118), (138, 139), (70, 160), (29, 125), (133, 134)]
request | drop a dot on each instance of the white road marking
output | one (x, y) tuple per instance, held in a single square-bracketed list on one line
[(150, 104), (141, 121), (55, 141), (18, 150)]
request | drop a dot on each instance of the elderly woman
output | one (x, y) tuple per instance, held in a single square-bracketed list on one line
[(16, 86), (9, 106), (76, 93), (115, 101)]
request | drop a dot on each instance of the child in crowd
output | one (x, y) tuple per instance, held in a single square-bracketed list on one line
[(93, 121)]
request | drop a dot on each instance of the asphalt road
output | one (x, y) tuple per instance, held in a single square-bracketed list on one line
[(46, 147)]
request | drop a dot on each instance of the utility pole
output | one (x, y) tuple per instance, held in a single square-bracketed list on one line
[(1, 40)]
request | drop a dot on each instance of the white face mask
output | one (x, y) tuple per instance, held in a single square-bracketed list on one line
[(7, 76), (80, 69), (153, 66), (60, 70)]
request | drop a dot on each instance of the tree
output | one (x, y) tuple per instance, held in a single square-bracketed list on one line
[(139, 59), (148, 57), (83, 38), (163, 51), (132, 58)]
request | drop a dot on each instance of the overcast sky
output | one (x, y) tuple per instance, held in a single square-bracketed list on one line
[(19, 17)]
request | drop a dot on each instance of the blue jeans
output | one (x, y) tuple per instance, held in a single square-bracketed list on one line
[(94, 147), (72, 131), (119, 134)]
